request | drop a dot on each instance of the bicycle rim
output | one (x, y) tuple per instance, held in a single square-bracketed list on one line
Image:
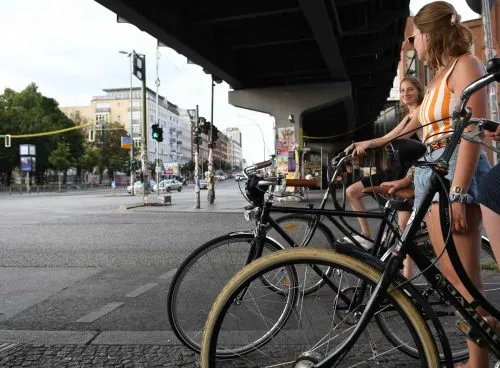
[(199, 280), (300, 229), (317, 323)]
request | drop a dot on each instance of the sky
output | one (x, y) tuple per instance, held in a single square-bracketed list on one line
[(70, 49)]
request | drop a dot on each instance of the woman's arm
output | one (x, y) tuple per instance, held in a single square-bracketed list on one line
[(400, 131), (467, 70)]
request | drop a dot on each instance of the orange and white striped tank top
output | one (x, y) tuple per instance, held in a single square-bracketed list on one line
[(436, 110)]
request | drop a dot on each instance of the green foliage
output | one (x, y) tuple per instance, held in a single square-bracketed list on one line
[(108, 143), (60, 158), (90, 159), (29, 112)]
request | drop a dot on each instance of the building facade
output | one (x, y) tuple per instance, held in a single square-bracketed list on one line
[(118, 106), (234, 147)]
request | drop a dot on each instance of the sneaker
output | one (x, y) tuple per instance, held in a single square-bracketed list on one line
[(366, 244)]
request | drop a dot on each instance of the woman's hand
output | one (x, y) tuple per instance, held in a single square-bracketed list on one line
[(361, 147), (349, 148), (459, 217), (494, 135), (396, 184)]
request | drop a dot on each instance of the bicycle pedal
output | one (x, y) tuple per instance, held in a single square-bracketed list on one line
[(470, 333)]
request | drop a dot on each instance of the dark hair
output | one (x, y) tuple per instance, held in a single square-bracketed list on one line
[(448, 36), (416, 83)]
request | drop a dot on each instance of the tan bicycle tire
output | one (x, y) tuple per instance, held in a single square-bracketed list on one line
[(404, 303)]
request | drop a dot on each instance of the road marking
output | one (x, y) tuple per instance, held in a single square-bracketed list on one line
[(91, 317), (168, 275), (141, 290)]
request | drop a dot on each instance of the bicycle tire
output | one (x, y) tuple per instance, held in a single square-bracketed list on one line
[(398, 297), (445, 311), (189, 335), (188, 323)]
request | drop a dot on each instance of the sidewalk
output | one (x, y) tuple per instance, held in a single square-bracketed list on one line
[(227, 204)]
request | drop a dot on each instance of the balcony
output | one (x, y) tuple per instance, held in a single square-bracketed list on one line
[(179, 143), (173, 139), (102, 109), (172, 130), (178, 131)]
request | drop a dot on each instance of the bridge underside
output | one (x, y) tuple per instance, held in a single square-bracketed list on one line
[(262, 44)]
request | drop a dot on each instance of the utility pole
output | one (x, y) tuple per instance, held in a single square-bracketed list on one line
[(130, 55), (211, 182), (197, 141)]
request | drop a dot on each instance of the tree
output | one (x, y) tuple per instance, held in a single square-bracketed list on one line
[(29, 112), (108, 142), (60, 159), (89, 160)]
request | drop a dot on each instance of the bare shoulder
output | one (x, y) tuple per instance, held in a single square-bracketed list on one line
[(469, 65), (468, 69)]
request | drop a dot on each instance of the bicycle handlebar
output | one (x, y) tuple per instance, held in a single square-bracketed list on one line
[(257, 166)]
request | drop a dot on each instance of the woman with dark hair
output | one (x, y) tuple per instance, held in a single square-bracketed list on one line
[(411, 95)]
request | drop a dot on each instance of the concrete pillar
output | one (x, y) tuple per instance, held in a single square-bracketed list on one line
[(288, 103)]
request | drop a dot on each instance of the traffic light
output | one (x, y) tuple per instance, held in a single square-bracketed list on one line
[(197, 135), (157, 133), (215, 133), (139, 69)]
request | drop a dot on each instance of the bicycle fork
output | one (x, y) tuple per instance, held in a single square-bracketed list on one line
[(379, 293)]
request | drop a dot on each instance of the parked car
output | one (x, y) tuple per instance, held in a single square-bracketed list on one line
[(137, 187), (239, 176), (170, 184), (203, 184)]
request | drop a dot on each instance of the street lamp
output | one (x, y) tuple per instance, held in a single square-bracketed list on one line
[(129, 55), (261, 133)]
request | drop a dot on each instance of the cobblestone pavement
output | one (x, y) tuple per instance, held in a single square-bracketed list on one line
[(55, 356)]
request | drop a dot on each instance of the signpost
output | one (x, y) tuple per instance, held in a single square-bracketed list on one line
[(27, 153), (126, 142)]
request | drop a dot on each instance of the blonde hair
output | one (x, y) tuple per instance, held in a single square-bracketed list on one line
[(448, 36)]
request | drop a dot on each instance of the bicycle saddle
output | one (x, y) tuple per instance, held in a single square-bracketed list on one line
[(401, 194)]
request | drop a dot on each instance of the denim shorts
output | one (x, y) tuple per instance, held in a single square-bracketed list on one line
[(422, 175)]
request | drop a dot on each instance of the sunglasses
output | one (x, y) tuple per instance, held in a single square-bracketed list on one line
[(411, 39)]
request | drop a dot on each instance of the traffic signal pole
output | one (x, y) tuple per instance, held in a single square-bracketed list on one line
[(196, 161)]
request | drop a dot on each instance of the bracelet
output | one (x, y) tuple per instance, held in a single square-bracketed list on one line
[(410, 173), (461, 198)]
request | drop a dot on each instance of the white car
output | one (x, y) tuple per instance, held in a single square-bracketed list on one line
[(203, 184), (137, 187), (170, 184)]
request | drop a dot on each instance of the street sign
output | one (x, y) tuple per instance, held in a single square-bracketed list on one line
[(126, 142), (27, 163)]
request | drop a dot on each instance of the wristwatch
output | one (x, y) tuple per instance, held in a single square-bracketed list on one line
[(457, 190)]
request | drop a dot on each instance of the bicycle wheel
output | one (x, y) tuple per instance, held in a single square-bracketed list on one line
[(204, 273), (316, 324), (200, 278), (301, 230), (442, 308)]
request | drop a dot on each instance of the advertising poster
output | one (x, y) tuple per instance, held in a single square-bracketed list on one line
[(25, 163), (286, 139), (282, 163)]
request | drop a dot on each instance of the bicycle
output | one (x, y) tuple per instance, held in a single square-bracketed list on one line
[(372, 287), (229, 253)]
